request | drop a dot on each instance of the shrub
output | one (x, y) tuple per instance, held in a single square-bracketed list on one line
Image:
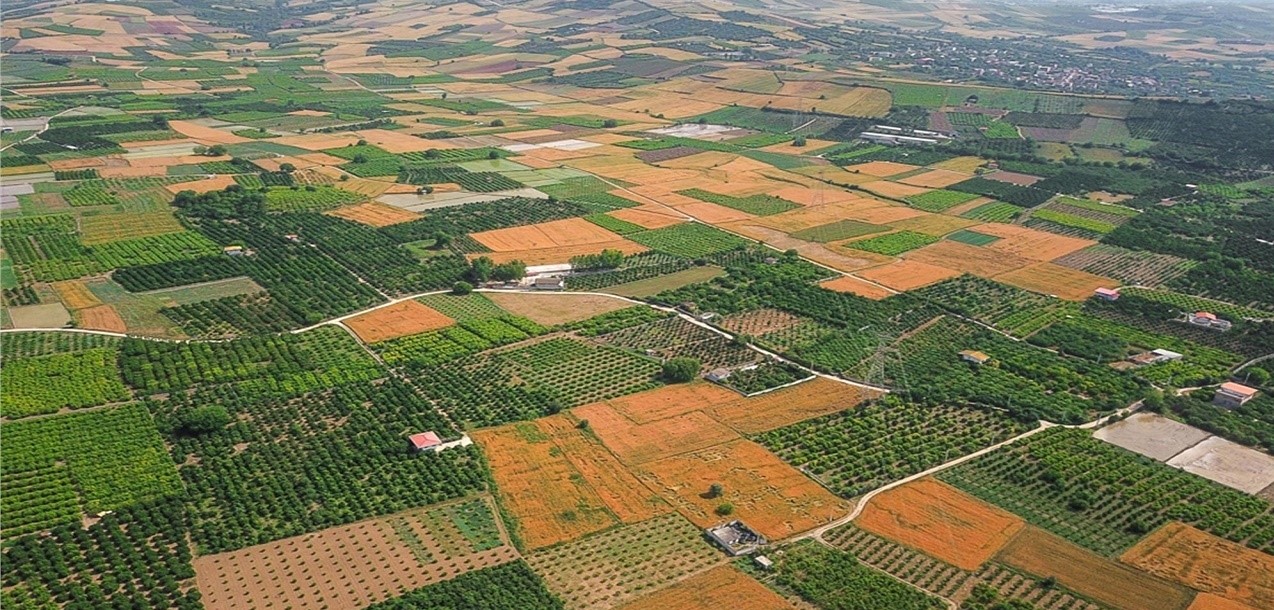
[(681, 369)]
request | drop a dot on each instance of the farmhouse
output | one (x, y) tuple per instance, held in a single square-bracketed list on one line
[(718, 375), (424, 441), (1106, 294), (234, 250), (1209, 320), (975, 357), (1233, 395), (736, 538), (548, 283)]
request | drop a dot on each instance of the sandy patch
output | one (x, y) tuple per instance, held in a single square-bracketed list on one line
[(551, 309)]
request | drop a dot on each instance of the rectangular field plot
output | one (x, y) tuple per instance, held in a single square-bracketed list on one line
[(1185, 555), (771, 497), (1110, 493), (621, 564), (857, 450), (723, 587), (558, 483), (351, 566), (1039, 553), (46, 384), (673, 337), (1151, 435), (57, 469), (1228, 463), (1129, 266), (689, 240)]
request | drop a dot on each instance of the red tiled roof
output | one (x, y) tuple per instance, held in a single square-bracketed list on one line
[(1238, 388), (424, 440)]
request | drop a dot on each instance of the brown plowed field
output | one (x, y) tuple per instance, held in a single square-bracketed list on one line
[(942, 521), (636, 443), (769, 495), (1042, 554), (723, 587), (102, 317), (672, 400), (374, 213), (552, 309), (907, 275), (813, 398), (1048, 278), (346, 567), (853, 285), (397, 320), (937, 178), (1199, 560)]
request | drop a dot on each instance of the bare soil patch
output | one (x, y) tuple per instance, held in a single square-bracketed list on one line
[(964, 258), (881, 169), (1229, 464), (1199, 560), (397, 320), (101, 317), (941, 521), (75, 295), (1042, 554), (1151, 435), (552, 309)]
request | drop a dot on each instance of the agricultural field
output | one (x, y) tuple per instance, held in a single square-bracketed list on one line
[(456, 305)]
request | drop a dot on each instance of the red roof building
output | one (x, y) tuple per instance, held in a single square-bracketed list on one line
[(424, 441), (1233, 395)]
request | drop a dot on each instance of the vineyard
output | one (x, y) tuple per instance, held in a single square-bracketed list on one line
[(1104, 498), (857, 450)]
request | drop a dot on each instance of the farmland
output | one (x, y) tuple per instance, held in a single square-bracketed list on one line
[(452, 305)]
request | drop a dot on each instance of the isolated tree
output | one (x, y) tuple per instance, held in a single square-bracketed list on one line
[(680, 369), (287, 168), (609, 123), (200, 149), (497, 123), (493, 154), (461, 288), (725, 509), (799, 141), (216, 150), (480, 269), (582, 425), (360, 158), (201, 420), (715, 490)]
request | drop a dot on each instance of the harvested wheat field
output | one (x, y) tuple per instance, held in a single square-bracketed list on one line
[(1199, 560), (215, 183), (964, 258), (936, 225), (723, 587), (75, 295), (769, 495), (942, 521), (647, 218), (397, 320), (671, 401), (206, 135), (893, 190), (1208, 601), (907, 274), (862, 288), (814, 398), (1044, 555), (880, 169), (1064, 282), (937, 178), (101, 317), (352, 566), (551, 309), (538, 485), (1030, 243), (635, 443), (961, 164), (617, 488), (561, 254), (555, 234), (375, 214)]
